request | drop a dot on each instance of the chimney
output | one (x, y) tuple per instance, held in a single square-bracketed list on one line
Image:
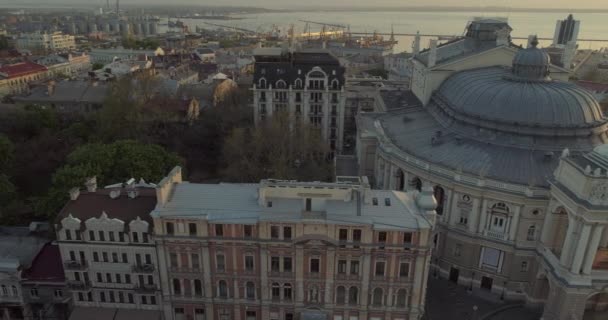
[(74, 193), (432, 54), (91, 184), (51, 88), (416, 44)]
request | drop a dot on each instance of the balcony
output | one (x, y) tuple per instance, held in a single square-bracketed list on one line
[(145, 288), (143, 268), (75, 265), (496, 235), (79, 285)]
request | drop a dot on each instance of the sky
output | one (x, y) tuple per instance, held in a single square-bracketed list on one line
[(602, 4)]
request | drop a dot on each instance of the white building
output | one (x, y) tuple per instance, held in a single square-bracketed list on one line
[(108, 55), (104, 236), (39, 41)]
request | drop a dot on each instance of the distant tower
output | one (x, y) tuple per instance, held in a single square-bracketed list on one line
[(566, 31), (416, 44)]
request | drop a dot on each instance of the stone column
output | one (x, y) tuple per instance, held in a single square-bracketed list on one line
[(547, 231), (265, 296), (579, 254), (514, 224), (299, 269), (364, 293), (572, 223), (592, 248), (453, 211), (329, 275), (474, 216), (483, 216)]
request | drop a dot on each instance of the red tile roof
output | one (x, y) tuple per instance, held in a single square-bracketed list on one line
[(593, 86), (21, 69), (47, 265)]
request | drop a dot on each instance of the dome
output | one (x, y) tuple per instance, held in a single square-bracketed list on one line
[(531, 63), (492, 96)]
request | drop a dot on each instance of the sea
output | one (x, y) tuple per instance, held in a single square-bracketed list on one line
[(593, 25)]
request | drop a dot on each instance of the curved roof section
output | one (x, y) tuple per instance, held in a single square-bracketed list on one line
[(488, 94)]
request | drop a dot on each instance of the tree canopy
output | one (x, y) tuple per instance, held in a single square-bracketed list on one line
[(277, 149), (110, 163)]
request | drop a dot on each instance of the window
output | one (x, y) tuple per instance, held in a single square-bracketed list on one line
[(177, 286), (353, 295), (220, 262), (314, 265), (192, 229), (121, 297), (223, 289), (269, 204), (289, 316), (124, 258), (341, 266), (531, 236), (99, 277), (382, 236), (274, 232), (145, 237), (198, 288), (118, 278), (102, 296), (195, 262), (127, 278), (34, 293), (121, 236), (172, 258), (152, 300), (375, 201), (102, 236), (104, 255), (108, 278), (343, 235), (354, 267), (401, 298), (249, 263), (464, 217), (340, 295), (91, 235), (407, 238), (179, 311), (524, 266), (169, 228), (357, 235), (276, 291), (111, 233), (248, 231), (144, 300), (58, 293), (130, 296), (286, 264), (135, 236), (250, 315), (112, 297), (377, 297), (275, 264), (219, 230), (68, 234), (379, 268), (404, 269), (308, 204), (286, 233), (115, 257), (287, 291), (387, 202)]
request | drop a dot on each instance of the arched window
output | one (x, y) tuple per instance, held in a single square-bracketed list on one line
[(250, 290), (316, 74), (262, 83), (500, 207), (340, 295), (298, 83), (353, 295), (4, 290), (281, 84), (198, 288), (401, 298), (222, 290), (531, 236), (276, 291), (15, 291), (335, 84), (287, 293), (439, 194), (377, 297)]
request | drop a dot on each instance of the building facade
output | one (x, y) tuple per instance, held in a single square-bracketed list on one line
[(566, 31), (288, 250), (306, 85), (16, 78), (105, 240), (42, 41), (70, 64), (488, 138)]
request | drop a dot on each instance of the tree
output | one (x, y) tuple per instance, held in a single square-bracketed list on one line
[(110, 163), (97, 66), (7, 188), (276, 149), (6, 153)]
